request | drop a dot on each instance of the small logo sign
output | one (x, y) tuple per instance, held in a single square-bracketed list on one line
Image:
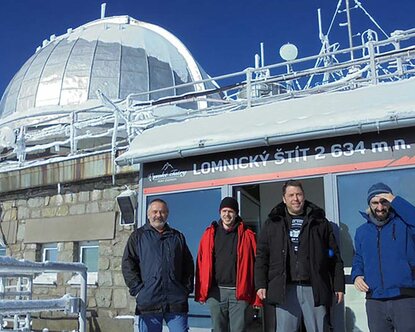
[(168, 174)]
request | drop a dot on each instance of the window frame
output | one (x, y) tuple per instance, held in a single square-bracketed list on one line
[(47, 278), (92, 276)]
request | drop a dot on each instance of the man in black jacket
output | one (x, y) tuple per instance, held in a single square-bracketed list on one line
[(158, 269), (298, 266)]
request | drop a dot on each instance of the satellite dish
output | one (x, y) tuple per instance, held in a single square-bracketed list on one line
[(288, 52), (7, 137)]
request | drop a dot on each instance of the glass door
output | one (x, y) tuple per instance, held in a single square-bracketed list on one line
[(250, 208)]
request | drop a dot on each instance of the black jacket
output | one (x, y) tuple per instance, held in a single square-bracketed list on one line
[(158, 269), (326, 265)]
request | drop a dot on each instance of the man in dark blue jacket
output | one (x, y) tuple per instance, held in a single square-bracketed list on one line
[(158, 269), (384, 261)]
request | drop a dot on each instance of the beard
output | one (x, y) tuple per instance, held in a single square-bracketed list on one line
[(158, 223), (381, 214)]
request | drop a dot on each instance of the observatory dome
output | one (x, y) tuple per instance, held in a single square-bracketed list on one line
[(116, 55)]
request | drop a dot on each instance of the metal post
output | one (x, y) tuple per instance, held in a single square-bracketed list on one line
[(349, 29), (374, 75), (248, 87), (83, 295), (399, 66), (114, 143), (72, 133)]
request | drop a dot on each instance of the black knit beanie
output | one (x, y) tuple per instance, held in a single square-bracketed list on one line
[(231, 203)]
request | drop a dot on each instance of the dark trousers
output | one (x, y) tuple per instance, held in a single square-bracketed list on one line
[(228, 314), (391, 315)]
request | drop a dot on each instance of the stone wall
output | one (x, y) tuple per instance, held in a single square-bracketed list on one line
[(107, 299)]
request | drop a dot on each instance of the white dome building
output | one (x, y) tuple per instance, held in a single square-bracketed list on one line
[(116, 55), (68, 77)]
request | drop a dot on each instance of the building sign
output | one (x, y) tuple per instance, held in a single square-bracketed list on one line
[(338, 154)]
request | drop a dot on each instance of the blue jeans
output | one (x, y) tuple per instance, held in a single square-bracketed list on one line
[(391, 315), (154, 322)]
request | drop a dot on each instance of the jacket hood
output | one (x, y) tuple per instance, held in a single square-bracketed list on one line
[(279, 211)]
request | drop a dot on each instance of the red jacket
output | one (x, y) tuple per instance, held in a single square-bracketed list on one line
[(245, 288)]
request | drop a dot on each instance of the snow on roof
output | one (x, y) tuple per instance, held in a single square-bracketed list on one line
[(386, 105)]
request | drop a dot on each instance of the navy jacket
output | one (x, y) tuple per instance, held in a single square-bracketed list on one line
[(158, 269), (385, 256)]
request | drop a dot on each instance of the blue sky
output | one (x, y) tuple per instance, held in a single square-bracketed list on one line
[(223, 35)]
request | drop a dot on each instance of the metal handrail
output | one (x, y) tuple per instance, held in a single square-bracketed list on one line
[(10, 266), (118, 122)]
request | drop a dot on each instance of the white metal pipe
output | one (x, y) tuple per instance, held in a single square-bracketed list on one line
[(83, 302), (103, 8), (349, 29), (262, 54), (10, 266)]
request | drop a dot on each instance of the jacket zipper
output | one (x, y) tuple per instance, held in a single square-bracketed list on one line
[(379, 256)]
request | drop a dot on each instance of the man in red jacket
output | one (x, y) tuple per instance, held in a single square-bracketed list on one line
[(225, 269)]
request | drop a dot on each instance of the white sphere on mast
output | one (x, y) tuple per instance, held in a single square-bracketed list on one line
[(289, 52)]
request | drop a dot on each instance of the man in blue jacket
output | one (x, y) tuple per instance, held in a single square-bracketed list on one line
[(384, 261), (158, 269)]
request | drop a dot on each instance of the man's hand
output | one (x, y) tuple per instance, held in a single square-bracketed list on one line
[(262, 293), (360, 284), (339, 297), (388, 196)]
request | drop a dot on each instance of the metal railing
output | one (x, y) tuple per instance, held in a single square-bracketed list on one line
[(16, 300), (112, 125)]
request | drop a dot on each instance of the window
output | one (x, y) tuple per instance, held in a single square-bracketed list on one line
[(88, 254), (2, 250), (191, 212), (48, 252)]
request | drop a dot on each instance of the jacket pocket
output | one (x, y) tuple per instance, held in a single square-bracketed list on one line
[(145, 296), (275, 269), (275, 290)]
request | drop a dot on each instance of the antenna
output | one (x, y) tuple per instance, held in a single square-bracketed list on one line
[(256, 61), (349, 29), (262, 54), (103, 7), (320, 25)]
